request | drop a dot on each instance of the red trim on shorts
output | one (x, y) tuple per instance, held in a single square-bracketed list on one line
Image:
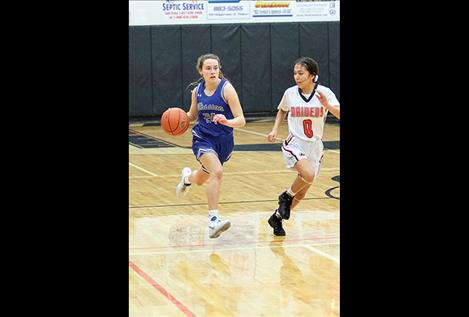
[(290, 152), (288, 139)]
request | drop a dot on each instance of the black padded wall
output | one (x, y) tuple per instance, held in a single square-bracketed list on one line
[(314, 42), (167, 68), (334, 58), (257, 58), (285, 50), (226, 44), (255, 67), (195, 42), (140, 86)]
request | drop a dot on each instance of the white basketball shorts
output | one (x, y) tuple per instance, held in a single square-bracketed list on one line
[(295, 149)]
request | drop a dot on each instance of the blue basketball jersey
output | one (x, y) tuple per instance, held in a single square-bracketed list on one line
[(208, 106)]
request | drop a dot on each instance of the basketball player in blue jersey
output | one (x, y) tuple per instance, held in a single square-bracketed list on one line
[(216, 105), (306, 104)]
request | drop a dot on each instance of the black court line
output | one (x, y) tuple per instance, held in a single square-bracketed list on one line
[(222, 203), (258, 147), (143, 140), (329, 191), (258, 117), (330, 145)]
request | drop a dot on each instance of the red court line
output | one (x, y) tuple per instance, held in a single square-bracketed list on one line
[(165, 293), (259, 243)]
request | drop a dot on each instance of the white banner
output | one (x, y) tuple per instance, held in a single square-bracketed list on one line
[(174, 12), (228, 11)]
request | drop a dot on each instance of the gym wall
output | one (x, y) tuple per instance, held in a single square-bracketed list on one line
[(257, 58)]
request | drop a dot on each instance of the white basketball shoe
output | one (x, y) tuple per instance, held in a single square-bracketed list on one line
[(215, 228), (182, 188)]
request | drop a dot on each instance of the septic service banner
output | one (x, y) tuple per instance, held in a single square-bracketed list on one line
[(173, 12)]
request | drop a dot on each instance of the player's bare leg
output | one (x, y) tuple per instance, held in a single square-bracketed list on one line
[(188, 177), (292, 196), (211, 162), (305, 177), (199, 177), (299, 196), (302, 182)]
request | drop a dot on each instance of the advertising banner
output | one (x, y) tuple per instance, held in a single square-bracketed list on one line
[(173, 12)]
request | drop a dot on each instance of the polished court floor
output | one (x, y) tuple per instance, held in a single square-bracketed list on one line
[(176, 270)]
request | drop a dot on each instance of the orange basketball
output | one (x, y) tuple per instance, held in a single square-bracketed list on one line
[(174, 121)]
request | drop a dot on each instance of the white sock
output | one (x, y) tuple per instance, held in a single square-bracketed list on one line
[(290, 192), (213, 215)]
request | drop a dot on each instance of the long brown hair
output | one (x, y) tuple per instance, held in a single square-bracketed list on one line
[(200, 63)]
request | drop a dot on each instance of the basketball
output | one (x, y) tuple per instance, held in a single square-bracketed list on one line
[(174, 121)]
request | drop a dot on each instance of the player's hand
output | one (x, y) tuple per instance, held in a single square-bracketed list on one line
[(322, 98), (220, 118), (272, 136)]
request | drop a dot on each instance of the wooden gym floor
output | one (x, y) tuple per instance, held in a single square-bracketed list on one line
[(176, 270)]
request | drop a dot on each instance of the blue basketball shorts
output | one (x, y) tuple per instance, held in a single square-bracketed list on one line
[(222, 146)]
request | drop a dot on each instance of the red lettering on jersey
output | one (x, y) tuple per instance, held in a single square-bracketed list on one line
[(306, 111), (316, 112)]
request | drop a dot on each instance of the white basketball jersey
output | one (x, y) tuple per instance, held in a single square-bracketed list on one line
[(306, 116)]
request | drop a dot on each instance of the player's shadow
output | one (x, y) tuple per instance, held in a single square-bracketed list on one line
[(205, 281), (217, 263), (292, 280)]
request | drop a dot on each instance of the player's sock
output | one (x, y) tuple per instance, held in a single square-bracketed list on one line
[(186, 180), (213, 216), (290, 192)]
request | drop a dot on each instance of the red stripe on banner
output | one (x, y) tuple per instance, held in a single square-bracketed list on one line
[(165, 293)]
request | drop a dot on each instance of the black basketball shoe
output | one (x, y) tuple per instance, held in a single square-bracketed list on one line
[(276, 223), (284, 203)]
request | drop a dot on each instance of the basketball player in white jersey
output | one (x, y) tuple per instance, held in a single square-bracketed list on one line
[(307, 104)]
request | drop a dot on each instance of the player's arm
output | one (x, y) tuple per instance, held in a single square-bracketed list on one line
[(192, 113), (281, 114), (333, 108), (278, 119), (232, 99)]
